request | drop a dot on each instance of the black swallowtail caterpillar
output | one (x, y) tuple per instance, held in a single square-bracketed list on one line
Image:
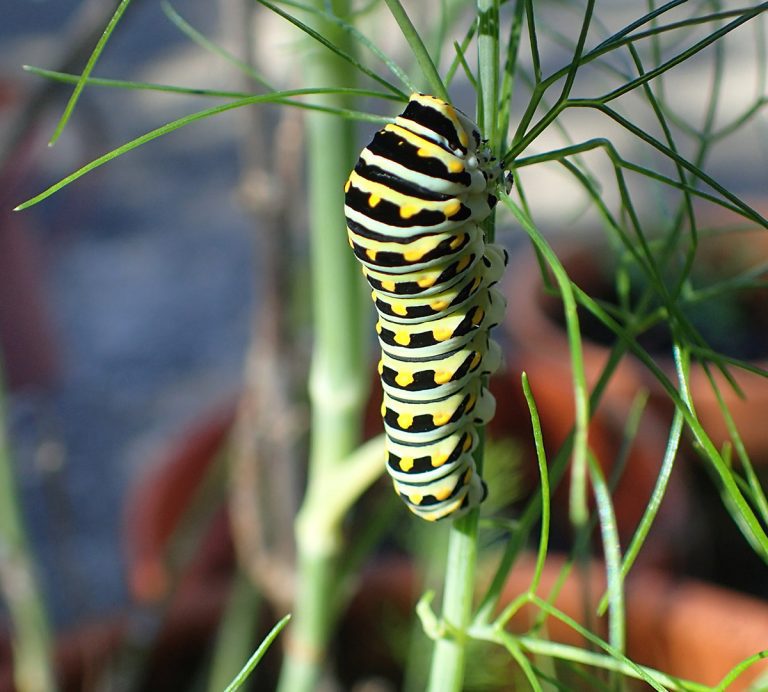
[(414, 204)]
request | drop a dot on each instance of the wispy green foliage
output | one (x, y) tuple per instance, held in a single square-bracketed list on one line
[(241, 678), (102, 42), (526, 108)]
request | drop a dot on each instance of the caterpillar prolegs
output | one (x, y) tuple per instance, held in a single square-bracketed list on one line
[(414, 204)]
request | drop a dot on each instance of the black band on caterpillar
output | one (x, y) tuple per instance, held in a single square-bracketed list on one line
[(414, 203)]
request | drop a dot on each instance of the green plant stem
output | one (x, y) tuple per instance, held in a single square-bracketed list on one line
[(70, 107), (338, 372), (428, 68), (488, 67), (253, 661), (33, 671), (449, 656), (235, 634)]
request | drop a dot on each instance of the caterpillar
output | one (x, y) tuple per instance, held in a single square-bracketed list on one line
[(414, 203)]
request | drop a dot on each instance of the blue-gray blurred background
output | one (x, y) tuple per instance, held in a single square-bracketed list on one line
[(135, 286), (145, 271)]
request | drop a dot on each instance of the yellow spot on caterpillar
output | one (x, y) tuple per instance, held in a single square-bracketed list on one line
[(378, 327), (442, 333), (402, 338), (399, 309), (426, 281), (463, 264), (404, 379), (347, 185), (452, 208), (413, 255), (457, 241), (467, 443), (409, 210), (471, 403), (442, 376), (380, 367), (468, 475), (477, 318), (388, 286), (383, 409), (406, 464), (423, 152), (463, 137), (441, 418), (438, 305), (416, 499), (405, 421), (371, 254), (438, 460), (475, 361), (373, 200), (455, 166), (443, 494)]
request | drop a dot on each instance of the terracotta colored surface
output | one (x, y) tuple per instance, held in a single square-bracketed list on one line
[(27, 337), (681, 627), (158, 502)]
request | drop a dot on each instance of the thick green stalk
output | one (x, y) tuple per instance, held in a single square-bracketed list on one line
[(30, 634), (338, 372), (449, 656)]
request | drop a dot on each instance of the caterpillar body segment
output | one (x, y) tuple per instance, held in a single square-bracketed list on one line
[(417, 422), (414, 204), (428, 280), (440, 376), (410, 464), (450, 497), (428, 339), (421, 308)]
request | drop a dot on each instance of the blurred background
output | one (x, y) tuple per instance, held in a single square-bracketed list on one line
[(125, 303), (127, 299)]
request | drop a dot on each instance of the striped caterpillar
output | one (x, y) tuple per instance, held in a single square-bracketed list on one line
[(414, 204)]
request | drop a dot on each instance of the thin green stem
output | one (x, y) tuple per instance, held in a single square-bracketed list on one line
[(578, 490), (541, 459), (363, 40), (235, 634), (30, 635), (283, 97), (70, 107), (449, 656), (512, 645), (253, 661), (418, 48), (206, 44), (652, 508), (343, 47), (565, 652), (615, 592), (488, 67), (615, 659)]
